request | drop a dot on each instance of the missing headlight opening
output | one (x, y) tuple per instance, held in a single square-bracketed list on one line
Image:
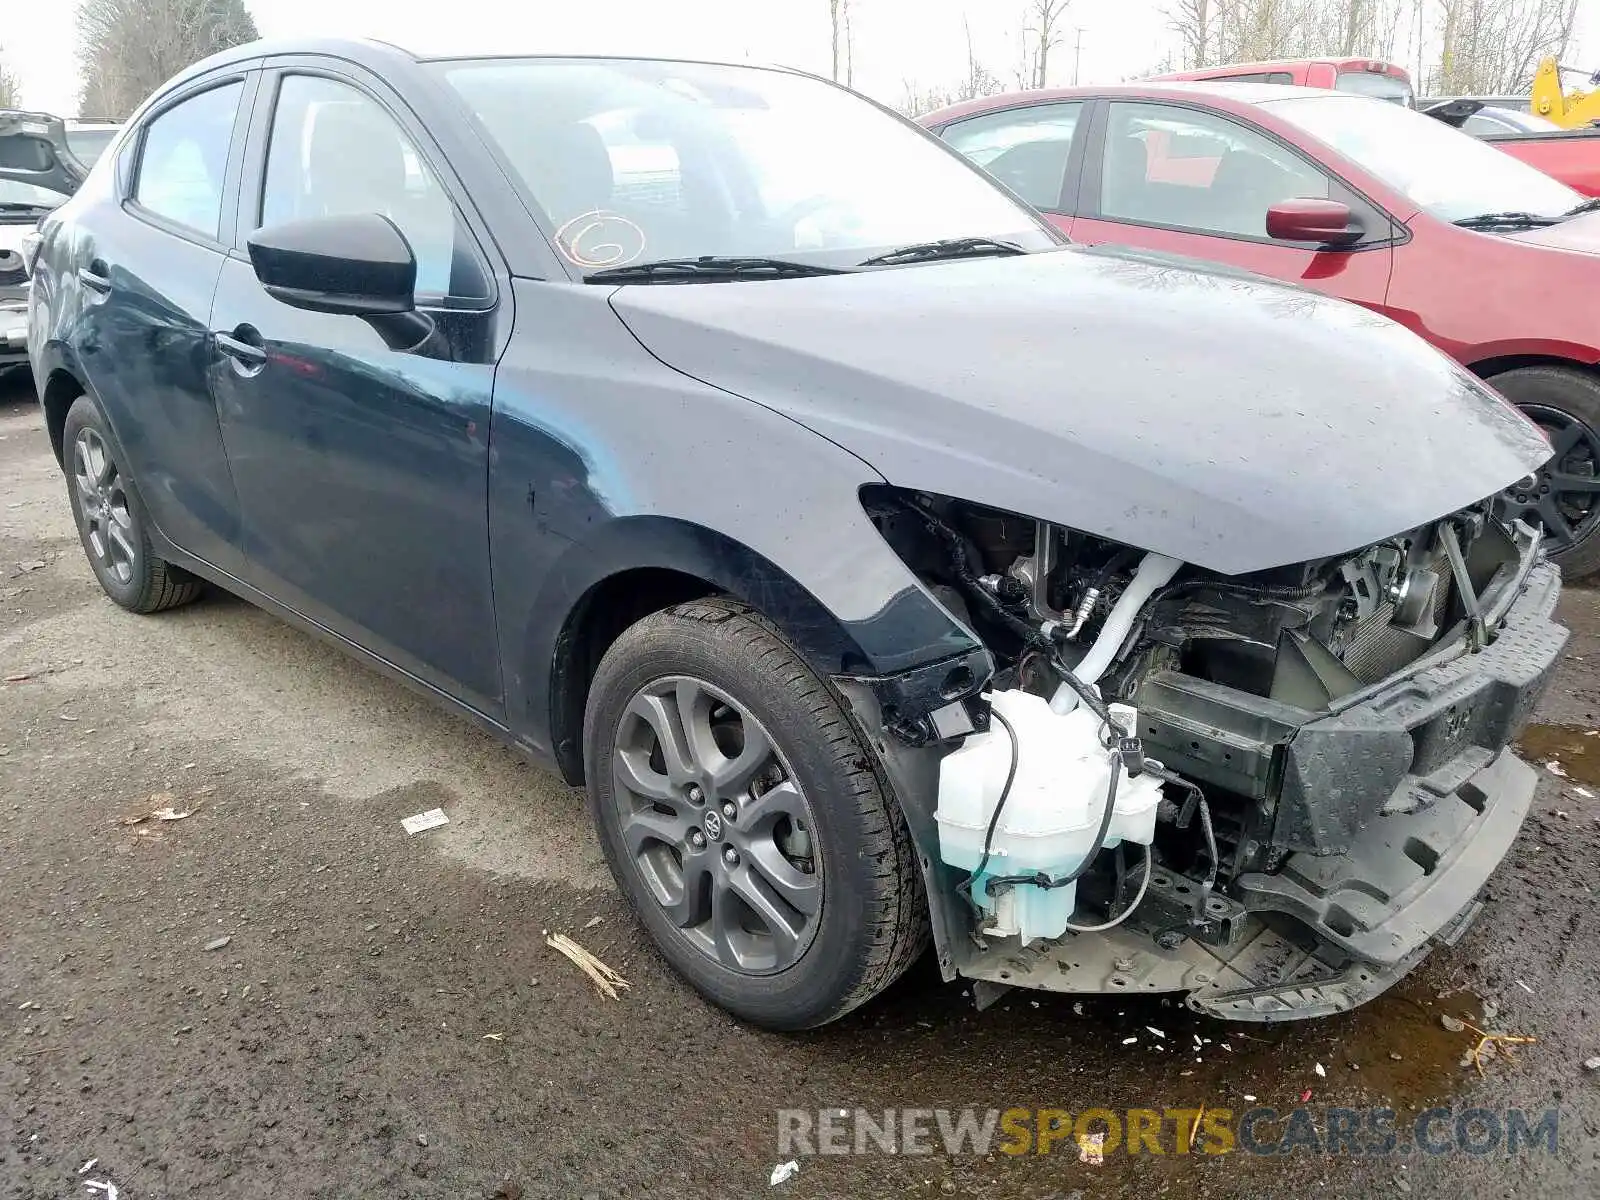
[(1270, 791)]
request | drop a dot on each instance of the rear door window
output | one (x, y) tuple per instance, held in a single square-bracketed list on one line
[(1024, 148), (185, 158)]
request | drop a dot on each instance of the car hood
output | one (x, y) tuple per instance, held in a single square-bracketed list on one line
[(1581, 234), (1225, 420)]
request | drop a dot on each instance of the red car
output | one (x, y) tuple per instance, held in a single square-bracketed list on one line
[(1495, 263), (1571, 155), (1366, 76)]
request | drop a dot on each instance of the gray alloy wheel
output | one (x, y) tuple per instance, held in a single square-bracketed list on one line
[(108, 529), (718, 827), (743, 817), (111, 518)]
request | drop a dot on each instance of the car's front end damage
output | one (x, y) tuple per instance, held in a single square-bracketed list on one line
[(1236, 639), (1330, 738)]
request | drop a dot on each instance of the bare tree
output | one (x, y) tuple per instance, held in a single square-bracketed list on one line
[(127, 48), (978, 81), (1042, 24), (10, 88), (849, 49), (1195, 22), (843, 43), (1490, 47), (1214, 32)]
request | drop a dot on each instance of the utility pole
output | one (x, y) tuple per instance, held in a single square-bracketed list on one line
[(1077, 54)]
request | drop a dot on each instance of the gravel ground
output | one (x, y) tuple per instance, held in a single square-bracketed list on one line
[(284, 995)]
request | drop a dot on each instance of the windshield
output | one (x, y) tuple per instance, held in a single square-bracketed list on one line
[(1444, 171), (1377, 85), (637, 161)]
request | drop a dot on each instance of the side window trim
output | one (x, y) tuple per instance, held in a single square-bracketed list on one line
[(248, 78), (258, 143), (1385, 230)]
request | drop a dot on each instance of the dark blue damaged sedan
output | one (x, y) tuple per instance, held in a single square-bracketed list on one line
[(889, 571)]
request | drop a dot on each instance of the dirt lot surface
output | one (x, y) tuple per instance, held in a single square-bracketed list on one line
[(283, 995)]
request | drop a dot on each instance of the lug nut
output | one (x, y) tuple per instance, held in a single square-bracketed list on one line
[(728, 810), (730, 856), (697, 839), (695, 794)]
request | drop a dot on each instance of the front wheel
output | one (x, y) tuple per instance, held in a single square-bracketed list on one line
[(740, 815), (1562, 496)]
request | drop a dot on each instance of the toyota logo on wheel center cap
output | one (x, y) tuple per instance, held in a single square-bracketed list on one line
[(713, 826)]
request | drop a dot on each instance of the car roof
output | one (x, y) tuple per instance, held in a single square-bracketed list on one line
[(1236, 93), (376, 54)]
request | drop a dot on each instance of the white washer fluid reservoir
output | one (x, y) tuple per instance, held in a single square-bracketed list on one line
[(1051, 814)]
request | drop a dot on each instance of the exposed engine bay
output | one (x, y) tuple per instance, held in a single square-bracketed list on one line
[(1248, 787)]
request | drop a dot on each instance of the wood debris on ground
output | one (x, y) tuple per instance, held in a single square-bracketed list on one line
[(607, 980)]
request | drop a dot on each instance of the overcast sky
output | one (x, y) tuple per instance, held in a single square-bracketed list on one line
[(894, 39)]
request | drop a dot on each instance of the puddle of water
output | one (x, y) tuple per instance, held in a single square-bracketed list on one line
[(1570, 745)]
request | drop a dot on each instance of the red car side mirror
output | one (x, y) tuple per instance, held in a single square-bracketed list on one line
[(1326, 222)]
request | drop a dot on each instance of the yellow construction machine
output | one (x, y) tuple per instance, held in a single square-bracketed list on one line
[(1575, 109)]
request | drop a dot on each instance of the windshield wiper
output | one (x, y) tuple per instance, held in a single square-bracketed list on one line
[(1506, 220), (1592, 204), (19, 206), (966, 247), (708, 268)]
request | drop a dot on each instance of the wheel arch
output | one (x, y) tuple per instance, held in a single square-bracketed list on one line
[(60, 389), (641, 565), (1487, 368)]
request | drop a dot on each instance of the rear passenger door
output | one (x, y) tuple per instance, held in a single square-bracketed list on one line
[(1033, 150), (362, 471), (146, 262), (1191, 181)]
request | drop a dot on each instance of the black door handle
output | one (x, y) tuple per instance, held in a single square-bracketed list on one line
[(241, 352), (94, 277)]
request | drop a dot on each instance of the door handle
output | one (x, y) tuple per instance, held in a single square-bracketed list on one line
[(94, 277), (248, 358)]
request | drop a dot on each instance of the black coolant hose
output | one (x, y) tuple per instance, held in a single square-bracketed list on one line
[(964, 573)]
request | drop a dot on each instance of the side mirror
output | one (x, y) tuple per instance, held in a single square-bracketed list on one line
[(1326, 222), (358, 265)]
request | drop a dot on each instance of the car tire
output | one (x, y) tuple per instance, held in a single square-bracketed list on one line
[(812, 829), (1565, 403), (112, 521)]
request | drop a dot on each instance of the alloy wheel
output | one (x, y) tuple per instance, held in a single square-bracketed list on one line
[(717, 825), (1562, 496), (103, 507)]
